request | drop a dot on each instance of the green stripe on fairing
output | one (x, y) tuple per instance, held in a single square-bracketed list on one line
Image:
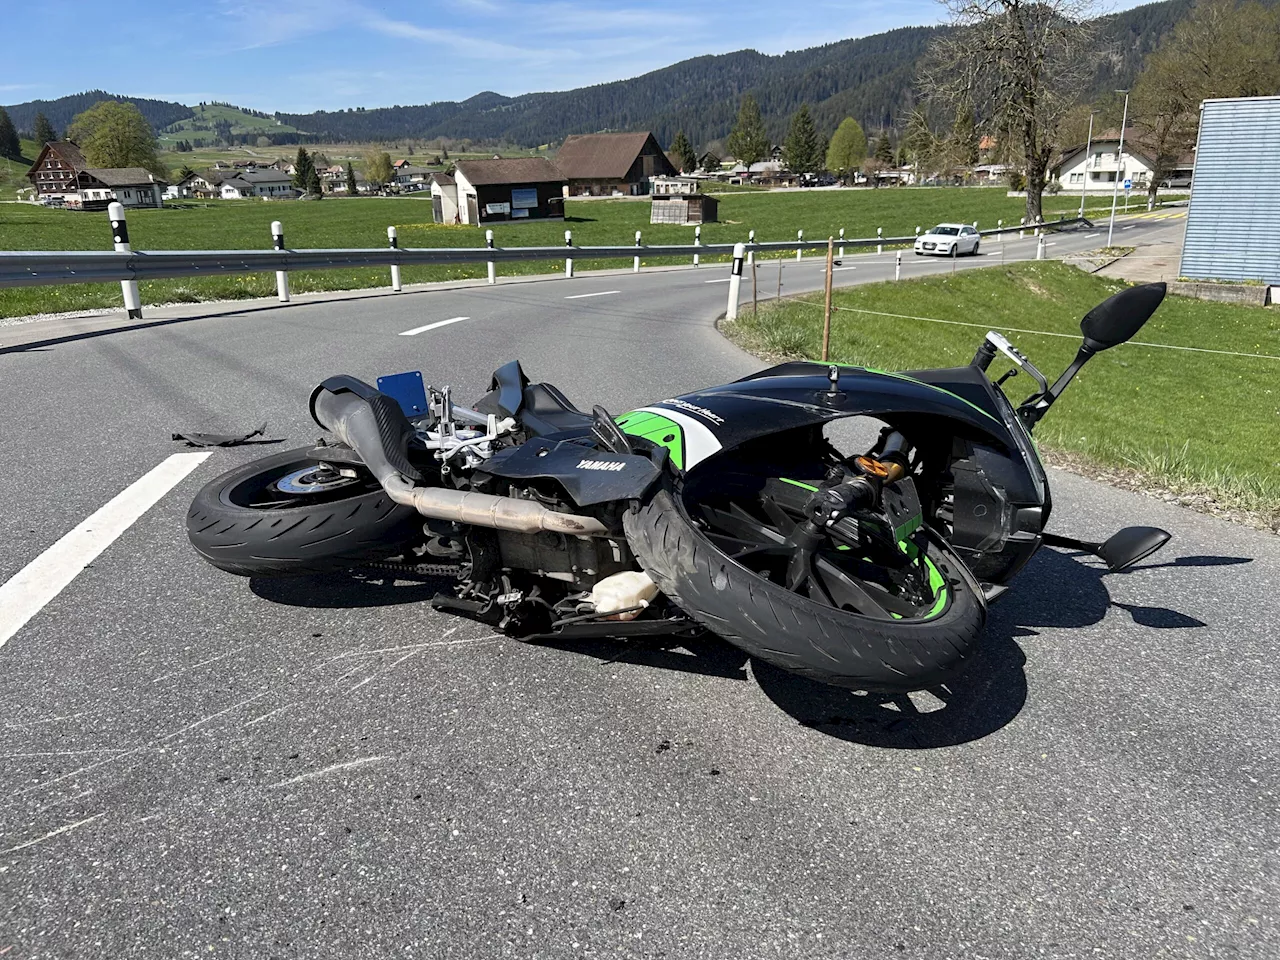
[(798, 483), (656, 429)]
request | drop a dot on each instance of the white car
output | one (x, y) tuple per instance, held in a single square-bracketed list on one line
[(948, 240)]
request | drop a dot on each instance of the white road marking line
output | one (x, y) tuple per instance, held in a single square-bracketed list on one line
[(1129, 227), (602, 293), (432, 326), (28, 590), (721, 280), (837, 269), (326, 771), (1090, 236), (53, 833)]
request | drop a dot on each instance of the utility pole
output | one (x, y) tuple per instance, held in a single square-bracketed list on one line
[(1115, 187), (1084, 185)]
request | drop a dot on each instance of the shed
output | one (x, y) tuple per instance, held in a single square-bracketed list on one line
[(1235, 193), (612, 164), (508, 188), (691, 208), (444, 199)]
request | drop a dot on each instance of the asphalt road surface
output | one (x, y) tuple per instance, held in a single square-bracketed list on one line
[(197, 764)]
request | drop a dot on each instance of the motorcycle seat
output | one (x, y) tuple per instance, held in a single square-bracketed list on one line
[(546, 410)]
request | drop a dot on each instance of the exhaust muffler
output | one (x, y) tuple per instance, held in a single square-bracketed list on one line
[(373, 425)]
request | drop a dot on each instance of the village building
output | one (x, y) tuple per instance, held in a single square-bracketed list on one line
[(410, 179), (1099, 169), (444, 199), (499, 190), (612, 164), (62, 178), (195, 186), (680, 200), (268, 184)]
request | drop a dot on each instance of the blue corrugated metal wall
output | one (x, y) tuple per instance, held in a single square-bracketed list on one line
[(1233, 225)]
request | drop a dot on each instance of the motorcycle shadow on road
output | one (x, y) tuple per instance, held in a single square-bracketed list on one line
[(344, 591), (1056, 590)]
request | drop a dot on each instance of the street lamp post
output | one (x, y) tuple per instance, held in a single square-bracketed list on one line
[(1088, 144), (1115, 189)]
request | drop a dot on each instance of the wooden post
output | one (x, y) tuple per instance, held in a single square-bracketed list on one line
[(755, 293), (779, 295), (826, 313)]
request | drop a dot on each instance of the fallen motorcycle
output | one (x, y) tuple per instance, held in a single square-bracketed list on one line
[(727, 509)]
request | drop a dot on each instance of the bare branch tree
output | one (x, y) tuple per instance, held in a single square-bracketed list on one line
[(1017, 66)]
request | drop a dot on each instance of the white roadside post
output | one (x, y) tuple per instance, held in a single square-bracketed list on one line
[(880, 238), (1022, 222), (120, 238), (568, 260), (841, 254), (735, 281), (393, 240), (799, 240), (999, 229), (897, 266), (697, 242), (1040, 249), (751, 254), (975, 224), (493, 267), (282, 276), (635, 266)]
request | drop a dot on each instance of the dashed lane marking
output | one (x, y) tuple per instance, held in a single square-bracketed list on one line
[(599, 293), (24, 594), (432, 326)]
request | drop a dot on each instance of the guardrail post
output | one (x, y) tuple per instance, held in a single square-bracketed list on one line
[(1038, 222), (751, 254), (880, 237), (999, 229), (493, 267), (568, 260), (897, 266), (697, 242), (393, 240), (735, 281), (635, 267), (799, 240), (1040, 249), (282, 276), (1022, 223), (120, 238)]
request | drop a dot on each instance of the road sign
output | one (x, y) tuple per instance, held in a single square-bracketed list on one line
[(1128, 184)]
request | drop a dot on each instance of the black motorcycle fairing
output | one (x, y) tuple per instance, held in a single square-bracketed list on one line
[(589, 475), (506, 391), (540, 407)]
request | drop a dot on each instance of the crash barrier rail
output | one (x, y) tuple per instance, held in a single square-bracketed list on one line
[(24, 269)]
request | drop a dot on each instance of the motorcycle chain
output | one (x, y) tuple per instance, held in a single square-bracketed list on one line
[(431, 570)]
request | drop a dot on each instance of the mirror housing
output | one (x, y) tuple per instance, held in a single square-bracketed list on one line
[(1118, 318)]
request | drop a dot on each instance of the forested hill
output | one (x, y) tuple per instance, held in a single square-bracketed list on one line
[(159, 113), (871, 79)]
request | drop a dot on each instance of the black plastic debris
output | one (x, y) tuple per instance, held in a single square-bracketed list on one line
[(226, 439)]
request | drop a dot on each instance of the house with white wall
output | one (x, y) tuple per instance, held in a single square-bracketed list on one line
[(1097, 169), (268, 184)]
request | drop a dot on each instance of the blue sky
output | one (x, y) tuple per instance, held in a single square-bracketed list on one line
[(317, 54)]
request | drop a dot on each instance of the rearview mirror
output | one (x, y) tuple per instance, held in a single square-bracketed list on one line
[(1118, 318)]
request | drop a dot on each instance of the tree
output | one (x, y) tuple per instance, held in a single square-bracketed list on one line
[(444, 154), (352, 187), (848, 148), (683, 152), (1017, 66), (377, 168), (748, 142), (313, 183), (42, 131), (115, 134), (303, 167), (884, 149), (1223, 49), (182, 173), (10, 145), (803, 149)]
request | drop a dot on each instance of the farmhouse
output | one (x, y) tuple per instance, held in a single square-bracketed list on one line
[(1100, 168), (409, 179), (612, 164), (273, 184), (512, 188), (62, 178), (194, 185)]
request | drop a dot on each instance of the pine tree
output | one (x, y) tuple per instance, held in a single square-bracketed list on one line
[(802, 149), (352, 186), (42, 131), (884, 149), (313, 182), (303, 167), (683, 151), (749, 143), (10, 145)]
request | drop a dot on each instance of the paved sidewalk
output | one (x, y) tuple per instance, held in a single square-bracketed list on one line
[(1157, 256)]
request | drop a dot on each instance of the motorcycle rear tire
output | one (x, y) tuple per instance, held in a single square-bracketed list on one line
[(826, 644), (315, 536)]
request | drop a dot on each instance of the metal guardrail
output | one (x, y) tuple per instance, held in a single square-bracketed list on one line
[(29, 269)]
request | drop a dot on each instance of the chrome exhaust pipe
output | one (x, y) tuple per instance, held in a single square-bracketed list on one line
[(374, 426), (487, 510)]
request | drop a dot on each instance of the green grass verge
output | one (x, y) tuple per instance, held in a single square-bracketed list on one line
[(1193, 421)]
